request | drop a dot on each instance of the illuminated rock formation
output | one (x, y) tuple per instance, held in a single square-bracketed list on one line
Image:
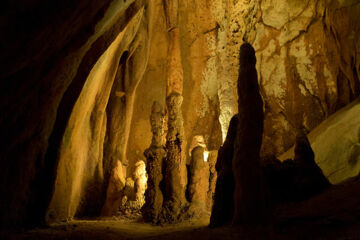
[(155, 157), (140, 179), (74, 96), (114, 194), (199, 182), (175, 165), (249, 202)]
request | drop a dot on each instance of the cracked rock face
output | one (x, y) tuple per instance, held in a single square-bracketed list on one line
[(308, 66)]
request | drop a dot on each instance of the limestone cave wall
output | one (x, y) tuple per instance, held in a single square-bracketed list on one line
[(307, 60)]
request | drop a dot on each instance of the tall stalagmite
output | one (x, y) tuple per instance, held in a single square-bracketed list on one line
[(248, 195), (155, 156), (175, 167)]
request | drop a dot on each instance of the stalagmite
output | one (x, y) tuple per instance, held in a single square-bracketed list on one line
[(140, 180), (309, 179), (248, 195), (199, 182), (155, 156), (223, 207), (175, 166)]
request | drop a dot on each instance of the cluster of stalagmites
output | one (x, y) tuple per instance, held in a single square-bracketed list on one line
[(165, 197), (239, 188), (244, 186), (126, 196)]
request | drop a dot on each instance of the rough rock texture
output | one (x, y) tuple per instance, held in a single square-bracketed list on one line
[(155, 158), (335, 143), (175, 165), (200, 103), (308, 60), (308, 66), (223, 207), (199, 182), (212, 180), (249, 202)]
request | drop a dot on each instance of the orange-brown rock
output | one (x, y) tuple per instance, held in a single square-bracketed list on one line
[(199, 182), (114, 194), (155, 159), (175, 164)]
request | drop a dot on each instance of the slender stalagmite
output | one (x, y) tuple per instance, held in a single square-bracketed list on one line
[(199, 182), (155, 156), (175, 166), (249, 207)]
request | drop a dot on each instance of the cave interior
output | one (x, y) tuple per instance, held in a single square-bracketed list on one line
[(180, 119)]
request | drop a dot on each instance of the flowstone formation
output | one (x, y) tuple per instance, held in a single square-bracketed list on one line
[(223, 207), (114, 192), (155, 156), (199, 182), (175, 165), (248, 195)]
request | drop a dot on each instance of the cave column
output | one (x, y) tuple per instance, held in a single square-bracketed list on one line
[(175, 166), (155, 156)]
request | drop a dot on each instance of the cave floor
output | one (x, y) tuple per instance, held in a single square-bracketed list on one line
[(333, 214)]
